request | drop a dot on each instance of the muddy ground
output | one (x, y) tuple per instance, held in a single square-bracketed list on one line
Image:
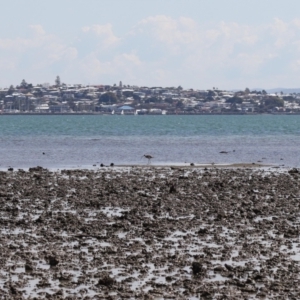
[(150, 233)]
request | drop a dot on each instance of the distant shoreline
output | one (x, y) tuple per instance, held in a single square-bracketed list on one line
[(131, 114)]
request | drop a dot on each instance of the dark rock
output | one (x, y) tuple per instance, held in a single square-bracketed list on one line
[(202, 231), (106, 280), (13, 290), (36, 169), (172, 189), (219, 268), (53, 262), (28, 268), (197, 268), (294, 171), (228, 267)]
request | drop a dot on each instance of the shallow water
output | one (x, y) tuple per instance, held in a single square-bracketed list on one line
[(80, 141)]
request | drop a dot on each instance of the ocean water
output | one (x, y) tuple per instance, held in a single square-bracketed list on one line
[(84, 140)]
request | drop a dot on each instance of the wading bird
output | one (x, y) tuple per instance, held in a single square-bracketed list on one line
[(148, 157)]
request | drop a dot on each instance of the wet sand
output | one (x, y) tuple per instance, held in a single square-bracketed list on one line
[(201, 166), (150, 233)]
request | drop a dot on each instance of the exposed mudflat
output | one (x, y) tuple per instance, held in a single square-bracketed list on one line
[(150, 233)]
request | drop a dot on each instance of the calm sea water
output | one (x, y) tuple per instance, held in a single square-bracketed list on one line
[(80, 141)]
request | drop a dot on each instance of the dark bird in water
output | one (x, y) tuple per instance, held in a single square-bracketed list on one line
[(148, 157)]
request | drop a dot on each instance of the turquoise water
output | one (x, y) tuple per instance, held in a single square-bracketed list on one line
[(76, 141)]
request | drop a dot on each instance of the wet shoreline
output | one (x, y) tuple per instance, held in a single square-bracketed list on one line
[(150, 232)]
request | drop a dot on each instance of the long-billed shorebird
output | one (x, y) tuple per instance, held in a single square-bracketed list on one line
[(148, 156)]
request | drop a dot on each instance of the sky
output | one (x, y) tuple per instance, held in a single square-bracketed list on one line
[(197, 44)]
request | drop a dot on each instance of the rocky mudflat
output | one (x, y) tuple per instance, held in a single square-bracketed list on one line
[(150, 233)]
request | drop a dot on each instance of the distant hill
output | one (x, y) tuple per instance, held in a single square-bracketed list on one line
[(284, 90), (276, 90)]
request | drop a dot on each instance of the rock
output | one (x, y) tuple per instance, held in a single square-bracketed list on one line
[(206, 294), (202, 231), (249, 289), (261, 295), (196, 268), (172, 189), (53, 262), (219, 268), (13, 290), (36, 169), (294, 171), (228, 267), (28, 268), (106, 280)]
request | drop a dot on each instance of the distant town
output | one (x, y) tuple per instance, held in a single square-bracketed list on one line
[(61, 98)]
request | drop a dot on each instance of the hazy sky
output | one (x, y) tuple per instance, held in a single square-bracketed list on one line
[(194, 43)]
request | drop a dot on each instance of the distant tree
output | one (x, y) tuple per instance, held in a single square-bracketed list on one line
[(127, 93), (264, 92), (169, 100), (108, 98), (247, 91), (179, 88), (10, 90), (209, 99), (39, 93), (289, 98), (152, 100), (211, 93), (190, 109), (72, 105), (179, 104), (272, 102), (235, 100), (57, 81), (239, 93), (23, 84), (136, 97)]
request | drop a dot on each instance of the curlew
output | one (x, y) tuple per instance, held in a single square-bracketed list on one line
[(148, 157)]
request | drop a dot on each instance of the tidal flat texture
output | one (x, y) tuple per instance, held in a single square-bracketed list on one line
[(149, 233)]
